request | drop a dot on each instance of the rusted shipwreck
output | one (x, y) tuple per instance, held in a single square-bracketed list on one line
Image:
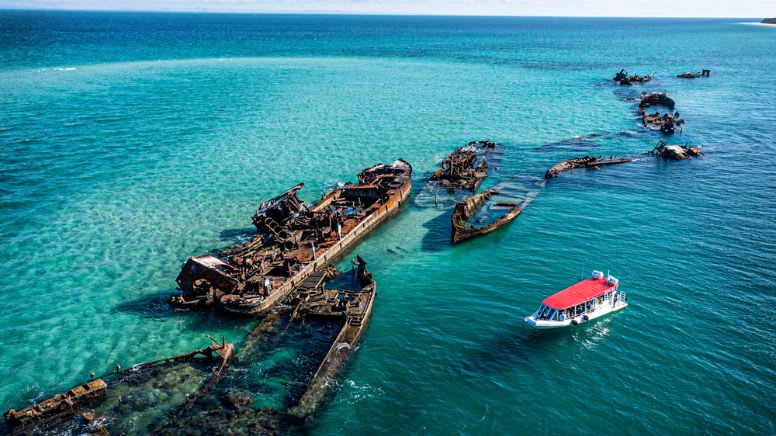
[(622, 78), (347, 299), (468, 207), (675, 152), (693, 75), (590, 162), (293, 240), (466, 167), (113, 397), (664, 123), (656, 99), (353, 306)]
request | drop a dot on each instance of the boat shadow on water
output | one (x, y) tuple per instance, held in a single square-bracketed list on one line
[(155, 307), (236, 236), (437, 237), (510, 350)]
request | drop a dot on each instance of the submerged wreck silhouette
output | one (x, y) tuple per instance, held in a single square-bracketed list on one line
[(114, 396)]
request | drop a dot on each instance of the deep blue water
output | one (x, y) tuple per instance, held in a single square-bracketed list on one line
[(130, 141)]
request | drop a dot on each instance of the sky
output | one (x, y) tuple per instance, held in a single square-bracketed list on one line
[(616, 8)]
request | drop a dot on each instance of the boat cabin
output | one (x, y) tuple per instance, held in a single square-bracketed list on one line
[(579, 303)]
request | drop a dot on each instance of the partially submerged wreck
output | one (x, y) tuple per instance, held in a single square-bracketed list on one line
[(466, 167), (692, 75), (468, 207), (656, 99), (121, 395), (675, 152), (622, 78), (589, 162), (665, 123), (353, 306), (293, 240), (341, 299)]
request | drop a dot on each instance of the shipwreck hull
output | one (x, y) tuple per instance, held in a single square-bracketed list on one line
[(338, 354), (466, 167), (293, 242), (126, 401), (330, 255), (588, 162), (468, 207)]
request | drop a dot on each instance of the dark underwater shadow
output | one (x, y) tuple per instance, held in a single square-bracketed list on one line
[(242, 234), (150, 306), (517, 346), (583, 143), (520, 345), (439, 230), (156, 308)]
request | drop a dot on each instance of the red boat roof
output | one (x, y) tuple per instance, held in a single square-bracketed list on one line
[(578, 293)]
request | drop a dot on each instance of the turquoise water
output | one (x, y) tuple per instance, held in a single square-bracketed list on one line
[(129, 142)]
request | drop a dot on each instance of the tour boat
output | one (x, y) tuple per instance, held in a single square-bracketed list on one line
[(581, 302)]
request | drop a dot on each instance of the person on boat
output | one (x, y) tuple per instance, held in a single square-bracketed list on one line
[(563, 316)]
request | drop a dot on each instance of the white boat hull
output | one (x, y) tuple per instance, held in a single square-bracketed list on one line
[(601, 310)]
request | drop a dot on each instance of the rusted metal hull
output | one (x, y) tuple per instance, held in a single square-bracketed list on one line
[(293, 242), (466, 208), (622, 78), (466, 167), (665, 124), (330, 255), (675, 152), (583, 162), (58, 407), (657, 99), (692, 75), (338, 354)]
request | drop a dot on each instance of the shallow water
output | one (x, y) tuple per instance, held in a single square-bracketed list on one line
[(132, 141)]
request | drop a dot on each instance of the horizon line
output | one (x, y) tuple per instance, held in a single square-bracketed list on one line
[(357, 13)]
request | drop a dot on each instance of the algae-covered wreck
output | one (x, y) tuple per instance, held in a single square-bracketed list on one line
[(336, 299), (292, 241), (127, 400)]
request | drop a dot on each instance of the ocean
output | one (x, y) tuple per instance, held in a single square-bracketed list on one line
[(131, 141)]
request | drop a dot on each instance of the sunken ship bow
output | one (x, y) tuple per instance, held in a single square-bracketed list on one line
[(293, 241)]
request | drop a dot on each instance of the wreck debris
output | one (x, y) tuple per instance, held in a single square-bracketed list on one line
[(293, 240), (96, 397), (328, 295), (584, 162), (354, 306), (675, 152), (692, 75), (466, 167), (656, 99), (57, 407), (622, 78), (468, 207), (666, 123)]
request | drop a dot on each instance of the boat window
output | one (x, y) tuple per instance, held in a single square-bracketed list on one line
[(553, 314)]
